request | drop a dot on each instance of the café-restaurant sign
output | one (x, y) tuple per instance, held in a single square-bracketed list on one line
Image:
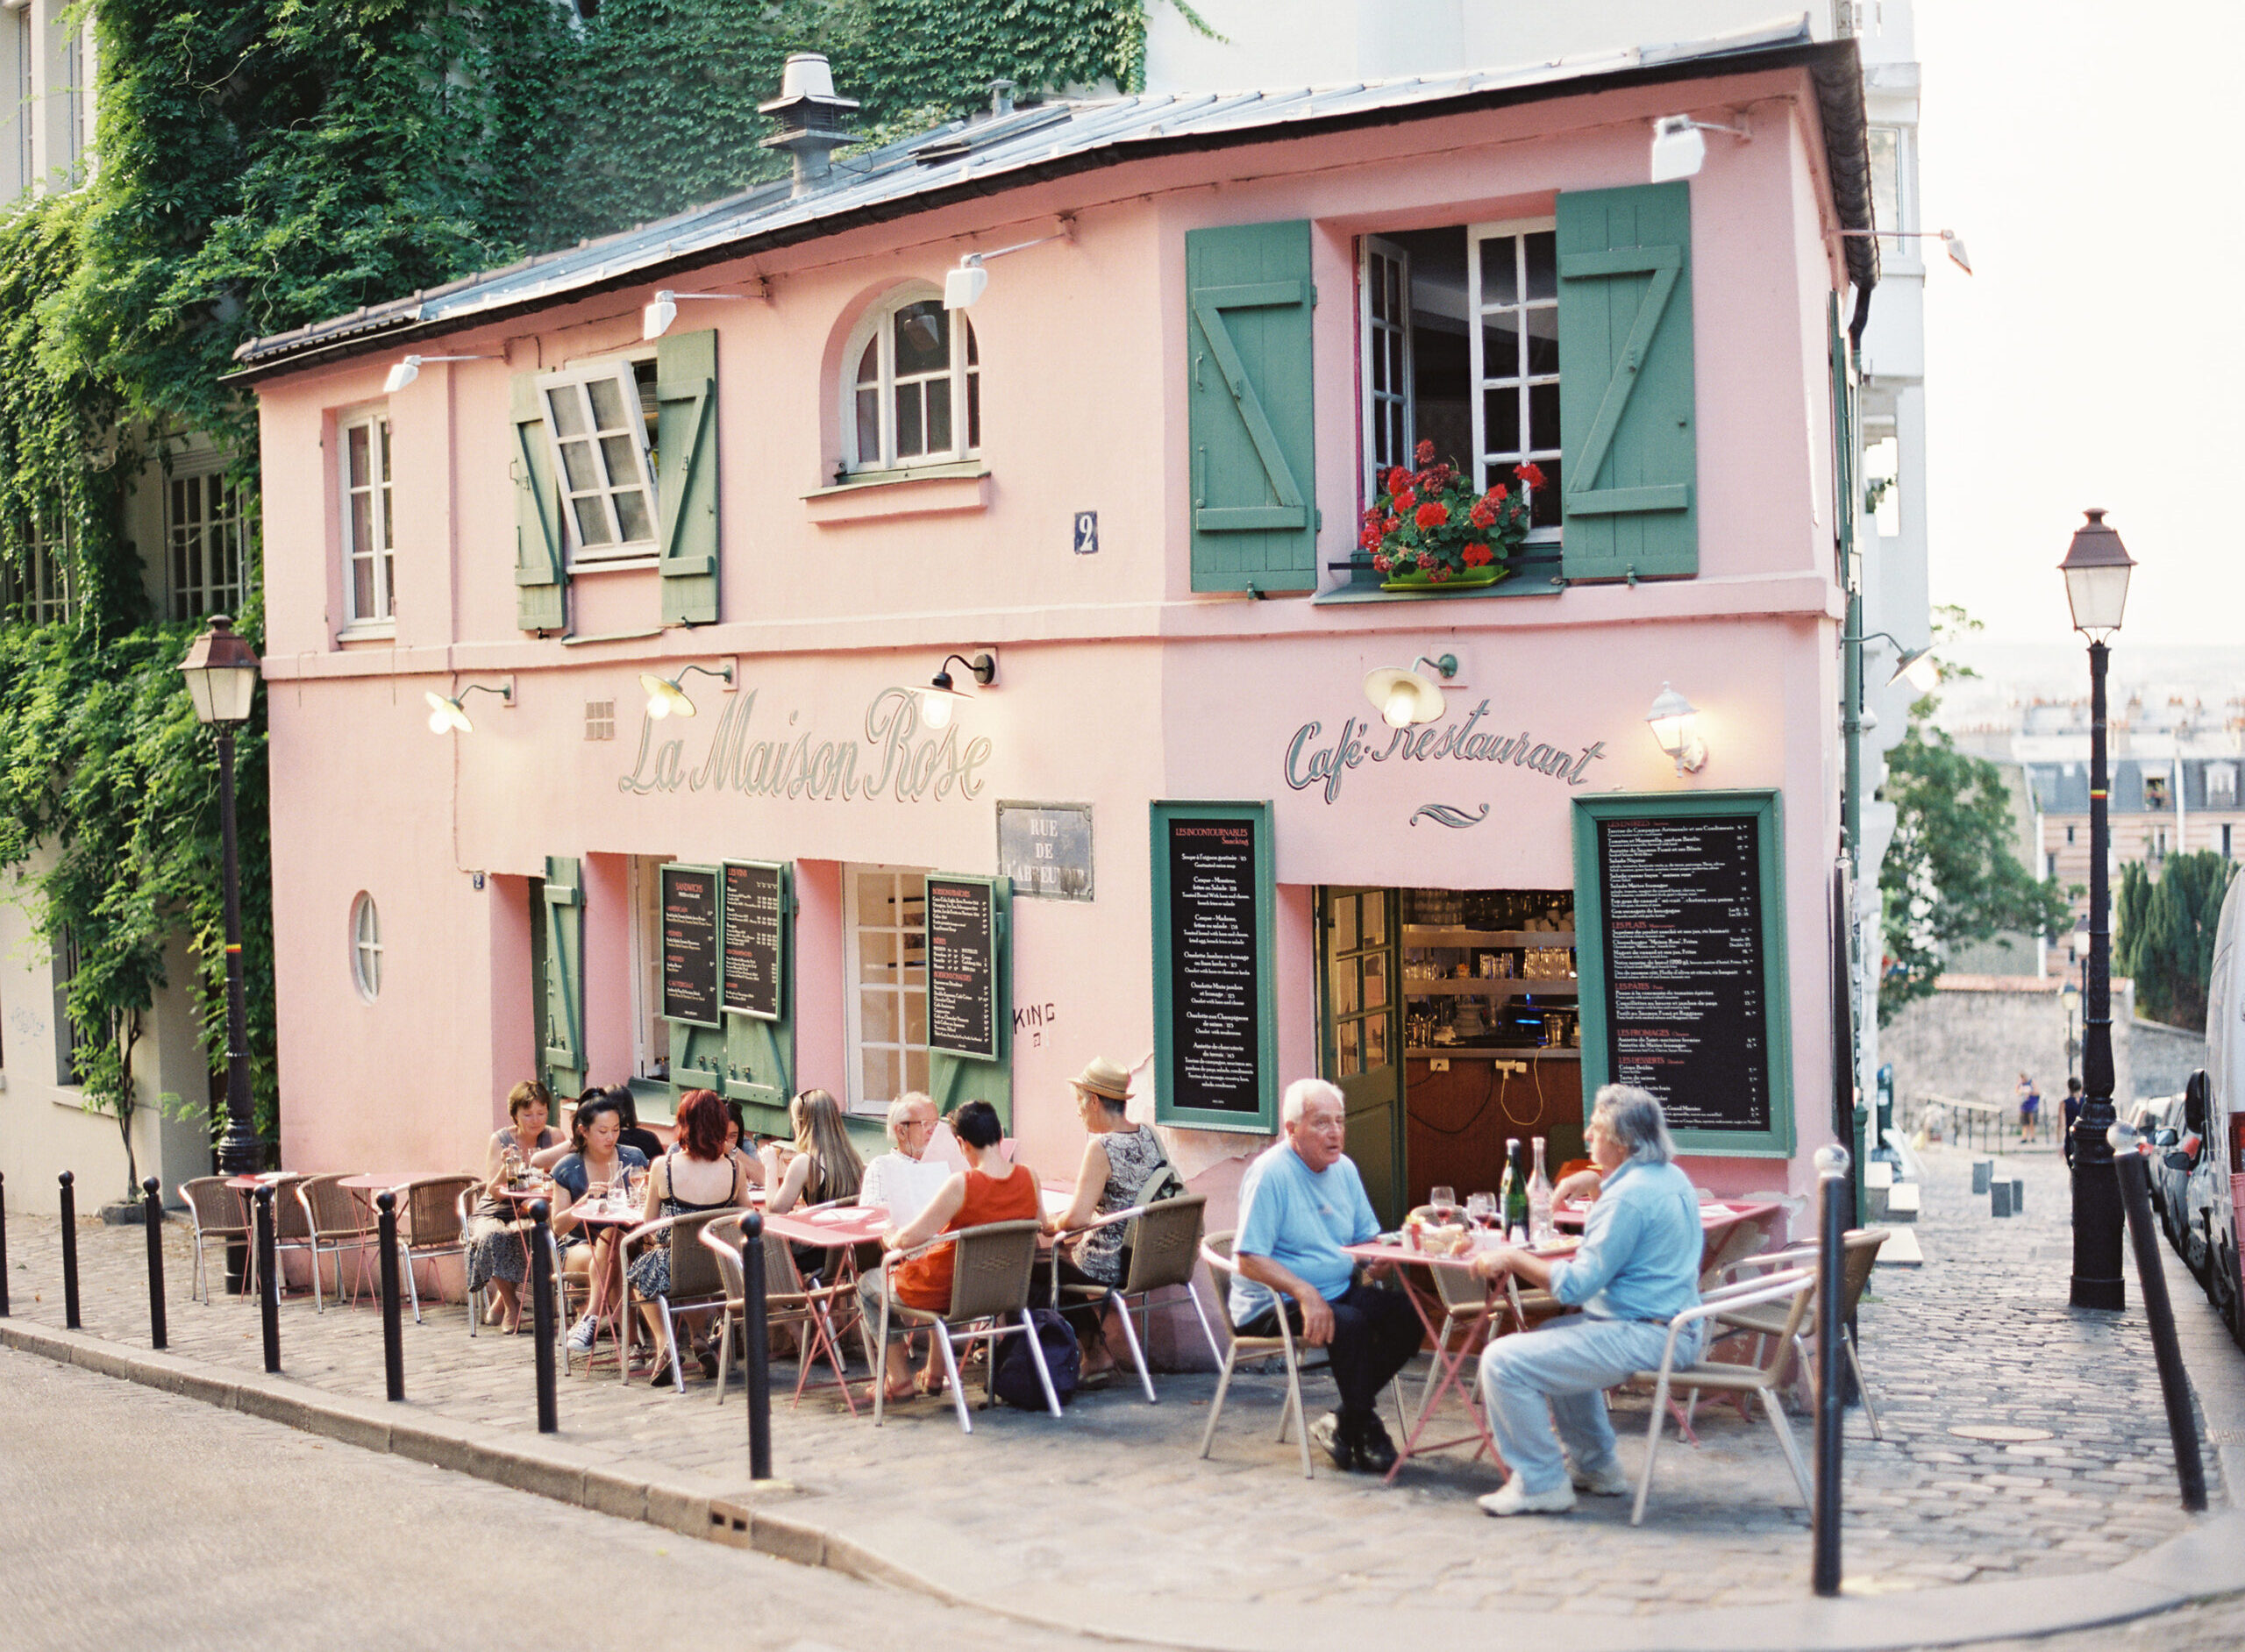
[(894, 757), (1445, 745)]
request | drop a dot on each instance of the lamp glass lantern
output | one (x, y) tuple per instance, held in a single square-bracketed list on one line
[(221, 669), (2097, 568), (941, 697), (1675, 724)]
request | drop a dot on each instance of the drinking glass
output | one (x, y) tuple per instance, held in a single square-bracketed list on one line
[(1481, 1209), (1442, 1201)]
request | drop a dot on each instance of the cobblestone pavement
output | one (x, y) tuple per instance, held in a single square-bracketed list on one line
[(1980, 1335)]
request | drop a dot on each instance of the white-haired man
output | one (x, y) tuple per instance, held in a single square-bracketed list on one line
[(903, 1180), (1300, 1203), (1637, 1267)]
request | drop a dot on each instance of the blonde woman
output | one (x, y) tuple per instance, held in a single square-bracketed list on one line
[(822, 1166)]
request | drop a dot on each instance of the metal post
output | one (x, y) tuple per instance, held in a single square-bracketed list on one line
[(393, 1335), (3, 1246), (268, 1282), (2134, 1177), (541, 1304), (1831, 1390), (152, 1213), (240, 1152), (2096, 1187), (69, 1251), (756, 1364)]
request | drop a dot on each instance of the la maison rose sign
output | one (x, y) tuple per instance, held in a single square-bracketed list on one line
[(892, 759)]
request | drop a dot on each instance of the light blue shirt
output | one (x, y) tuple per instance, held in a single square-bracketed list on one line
[(1299, 1219), (1641, 1247)]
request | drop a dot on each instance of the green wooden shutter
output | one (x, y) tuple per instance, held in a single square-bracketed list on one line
[(759, 1055), (1248, 344), (541, 584), (953, 1079), (1629, 477), (685, 436), (1846, 488), (561, 1020)]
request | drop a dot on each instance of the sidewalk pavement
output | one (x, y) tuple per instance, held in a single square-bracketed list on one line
[(1108, 1522)]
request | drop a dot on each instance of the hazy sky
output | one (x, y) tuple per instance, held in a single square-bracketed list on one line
[(2089, 154)]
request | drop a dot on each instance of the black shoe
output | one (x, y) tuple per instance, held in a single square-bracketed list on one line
[(1329, 1434), (666, 1377), (1375, 1452)]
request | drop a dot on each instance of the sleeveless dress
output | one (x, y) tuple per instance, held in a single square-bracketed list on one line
[(924, 1282), (651, 1273), (494, 1250), (1131, 1157)]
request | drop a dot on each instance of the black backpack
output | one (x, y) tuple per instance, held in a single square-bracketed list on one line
[(1016, 1382)]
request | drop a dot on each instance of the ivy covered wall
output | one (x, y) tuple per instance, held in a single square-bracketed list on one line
[(266, 163)]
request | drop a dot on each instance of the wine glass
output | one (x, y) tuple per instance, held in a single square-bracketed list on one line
[(1442, 1202), (1481, 1209)]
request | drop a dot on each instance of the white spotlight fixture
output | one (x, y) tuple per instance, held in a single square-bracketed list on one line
[(1404, 696), (1951, 242), (666, 698), (655, 319), (968, 282), (409, 369), (448, 713), (1676, 727), (1677, 149), (939, 698)]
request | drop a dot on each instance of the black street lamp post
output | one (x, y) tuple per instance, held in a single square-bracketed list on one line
[(221, 671), (2097, 568)]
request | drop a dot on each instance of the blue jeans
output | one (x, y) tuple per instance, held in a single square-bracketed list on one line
[(1560, 1374)]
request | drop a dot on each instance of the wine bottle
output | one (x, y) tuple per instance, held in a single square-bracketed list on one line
[(1539, 1200), (1515, 1192)]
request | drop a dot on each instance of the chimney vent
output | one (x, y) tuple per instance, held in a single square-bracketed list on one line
[(812, 119), (1002, 98)]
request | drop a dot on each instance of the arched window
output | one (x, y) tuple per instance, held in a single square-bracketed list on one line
[(912, 393), (366, 948)]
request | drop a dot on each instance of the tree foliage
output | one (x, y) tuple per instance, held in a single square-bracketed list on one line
[(2164, 938)]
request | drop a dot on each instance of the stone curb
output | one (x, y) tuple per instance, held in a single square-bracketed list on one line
[(2204, 1563)]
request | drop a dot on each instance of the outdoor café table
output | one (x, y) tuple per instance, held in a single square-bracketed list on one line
[(596, 1216), (842, 1228), (363, 1191), (245, 1188)]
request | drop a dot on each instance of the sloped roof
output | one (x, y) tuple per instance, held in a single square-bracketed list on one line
[(964, 159)]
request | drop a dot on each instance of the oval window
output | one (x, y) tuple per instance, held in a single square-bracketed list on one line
[(366, 948)]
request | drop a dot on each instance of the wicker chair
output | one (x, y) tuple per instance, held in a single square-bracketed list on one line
[(333, 1220), (1164, 1243), (1216, 1252), (218, 1214), (810, 1311), (291, 1228), (695, 1285), (429, 1226), (991, 1274)]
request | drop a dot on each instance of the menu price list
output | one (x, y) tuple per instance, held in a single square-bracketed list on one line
[(1687, 1018), (751, 939), (690, 945), (962, 984), (1214, 966)]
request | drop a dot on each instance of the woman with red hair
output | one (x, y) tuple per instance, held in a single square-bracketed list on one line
[(696, 1175)]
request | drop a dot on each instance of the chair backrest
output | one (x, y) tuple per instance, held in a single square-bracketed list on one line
[(288, 1218), (1215, 1252), (719, 1236), (215, 1207), (1860, 1255), (429, 1211), (1166, 1243), (694, 1265), (328, 1205), (1458, 1289), (1800, 1305), (990, 1268)]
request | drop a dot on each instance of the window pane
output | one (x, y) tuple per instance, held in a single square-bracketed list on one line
[(1379, 366), (938, 392), (1500, 414), (875, 892), (1375, 982), (358, 461), (1344, 989), (915, 1069), (910, 439), (385, 430), (607, 403), (973, 410), (579, 467), (1542, 264), (568, 411), (1543, 415), (362, 525), (916, 1021), (973, 350), (1501, 346), (877, 1017), (1543, 339), (592, 520), (876, 951), (1375, 917), (1543, 503), (869, 363), (632, 520), (1347, 1062), (922, 340), (362, 587), (881, 1070), (1500, 276), (869, 427), (1375, 1041), (623, 464)]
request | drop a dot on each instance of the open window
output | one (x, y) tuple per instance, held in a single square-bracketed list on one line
[(913, 386), (600, 423)]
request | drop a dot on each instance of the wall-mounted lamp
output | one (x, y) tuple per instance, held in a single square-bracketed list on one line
[(965, 284), (939, 697), (448, 713), (666, 698), (1676, 726), (1952, 243), (1677, 149), (1404, 695), (409, 369), (1916, 664), (655, 319)]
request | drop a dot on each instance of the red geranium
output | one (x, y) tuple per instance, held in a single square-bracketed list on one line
[(1530, 474), (1426, 453), (1478, 556), (1396, 480), (1481, 515), (1496, 496), (1380, 564), (1404, 499), (1432, 515), (1429, 525)]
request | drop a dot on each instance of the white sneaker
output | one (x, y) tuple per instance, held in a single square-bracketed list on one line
[(1511, 1497), (582, 1334), (1609, 1482)]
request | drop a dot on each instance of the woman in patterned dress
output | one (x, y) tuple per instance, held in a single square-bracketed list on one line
[(495, 1251), (1119, 1159)]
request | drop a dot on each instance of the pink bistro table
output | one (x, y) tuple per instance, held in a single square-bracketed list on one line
[(598, 1216), (363, 1190)]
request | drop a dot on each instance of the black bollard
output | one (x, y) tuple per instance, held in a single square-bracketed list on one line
[(541, 1308), (69, 1251), (152, 1214), (1831, 1390), (392, 1333), (756, 1365), (3, 1246), (269, 1283), (2151, 1279)]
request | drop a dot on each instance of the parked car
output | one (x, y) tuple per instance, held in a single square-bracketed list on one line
[(2208, 1156)]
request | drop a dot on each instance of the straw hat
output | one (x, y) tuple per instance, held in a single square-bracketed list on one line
[(1102, 1078)]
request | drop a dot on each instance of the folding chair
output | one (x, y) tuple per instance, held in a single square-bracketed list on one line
[(991, 1272), (809, 1310), (1164, 1243)]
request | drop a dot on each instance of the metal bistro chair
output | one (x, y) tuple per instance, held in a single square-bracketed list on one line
[(1860, 1254), (1163, 1242), (218, 1216), (1216, 1253), (1793, 1288), (331, 1218), (991, 1272), (809, 1310), (290, 1231), (695, 1285), (428, 1226)]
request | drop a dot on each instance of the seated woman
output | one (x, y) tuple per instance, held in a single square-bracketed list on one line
[(635, 1134), (822, 1166), (737, 1141), (696, 1175), (1119, 1159), (494, 1250), (546, 1159), (988, 1189), (592, 1166)]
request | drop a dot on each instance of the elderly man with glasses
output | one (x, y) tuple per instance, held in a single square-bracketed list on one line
[(904, 1180), (1638, 1266)]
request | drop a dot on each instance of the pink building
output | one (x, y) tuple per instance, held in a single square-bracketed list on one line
[(748, 458)]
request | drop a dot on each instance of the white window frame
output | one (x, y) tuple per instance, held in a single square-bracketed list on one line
[(47, 591), (2224, 795), (225, 531), (607, 487), (1390, 433), (1479, 378), (1895, 249), (963, 369), (855, 926), (379, 554), (366, 947), (650, 1034)]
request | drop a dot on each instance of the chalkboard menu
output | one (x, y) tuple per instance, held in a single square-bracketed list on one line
[(1213, 987), (754, 955), (962, 967), (690, 896), (1687, 984)]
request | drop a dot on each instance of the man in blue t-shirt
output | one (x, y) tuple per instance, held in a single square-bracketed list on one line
[(1300, 1202)]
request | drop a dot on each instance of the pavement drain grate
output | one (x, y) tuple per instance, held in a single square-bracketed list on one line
[(2225, 1436), (1998, 1431)]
